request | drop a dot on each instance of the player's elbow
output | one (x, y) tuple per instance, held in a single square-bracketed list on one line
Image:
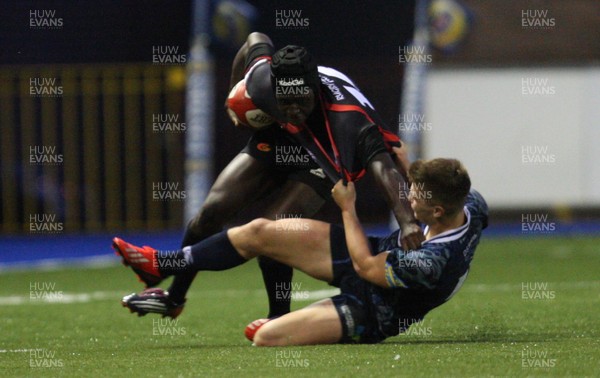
[(369, 273), (359, 270), (258, 37), (365, 271)]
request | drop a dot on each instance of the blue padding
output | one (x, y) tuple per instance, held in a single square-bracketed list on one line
[(16, 250), (25, 251)]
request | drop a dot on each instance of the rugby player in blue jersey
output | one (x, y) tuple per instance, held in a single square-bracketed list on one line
[(384, 288)]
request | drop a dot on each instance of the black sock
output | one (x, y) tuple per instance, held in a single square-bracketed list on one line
[(277, 278)]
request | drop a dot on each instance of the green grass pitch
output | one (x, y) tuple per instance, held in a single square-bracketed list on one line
[(529, 308)]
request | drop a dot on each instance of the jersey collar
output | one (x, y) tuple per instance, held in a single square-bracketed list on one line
[(453, 234)]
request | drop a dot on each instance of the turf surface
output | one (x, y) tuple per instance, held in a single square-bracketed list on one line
[(529, 308)]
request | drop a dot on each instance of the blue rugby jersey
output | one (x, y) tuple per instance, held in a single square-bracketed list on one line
[(425, 278)]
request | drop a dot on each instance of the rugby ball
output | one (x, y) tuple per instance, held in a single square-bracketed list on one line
[(242, 110)]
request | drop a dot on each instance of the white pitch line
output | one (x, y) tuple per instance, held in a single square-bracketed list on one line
[(297, 295), (480, 288), (59, 297)]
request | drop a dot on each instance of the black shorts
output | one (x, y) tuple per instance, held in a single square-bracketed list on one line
[(287, 159), (354, 304)]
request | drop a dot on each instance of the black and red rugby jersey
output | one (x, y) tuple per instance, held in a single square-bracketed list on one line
[(337, 133)]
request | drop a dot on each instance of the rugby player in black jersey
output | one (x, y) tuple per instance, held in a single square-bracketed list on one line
[(384, 287), (322, 112)]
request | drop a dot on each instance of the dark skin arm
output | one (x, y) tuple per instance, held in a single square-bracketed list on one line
[(390, 181), (400, 157), (238, 67), (239, 62)]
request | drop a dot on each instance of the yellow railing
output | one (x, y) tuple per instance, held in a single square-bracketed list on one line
[(88, 146)]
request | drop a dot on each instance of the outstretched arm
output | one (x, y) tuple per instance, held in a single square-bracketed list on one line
[(395, 190), (400, 157), (368, 267)]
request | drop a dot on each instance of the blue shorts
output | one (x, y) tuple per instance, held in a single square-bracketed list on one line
[(354, 304)]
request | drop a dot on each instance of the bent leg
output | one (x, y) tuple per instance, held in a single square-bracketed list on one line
[(300, 243), (318, 323), (243, 180)]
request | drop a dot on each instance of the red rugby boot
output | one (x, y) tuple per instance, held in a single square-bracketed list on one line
[(143, 261), (253, 327)]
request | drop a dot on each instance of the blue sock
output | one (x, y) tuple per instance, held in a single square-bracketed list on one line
[(214, 253)]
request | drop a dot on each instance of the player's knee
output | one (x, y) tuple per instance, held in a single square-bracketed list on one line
[(249, 239), (257, 232)]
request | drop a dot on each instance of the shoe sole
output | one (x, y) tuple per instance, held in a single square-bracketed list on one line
[(131, 310), (172, 314)]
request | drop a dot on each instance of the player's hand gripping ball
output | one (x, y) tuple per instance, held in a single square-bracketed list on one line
[(242, 110)]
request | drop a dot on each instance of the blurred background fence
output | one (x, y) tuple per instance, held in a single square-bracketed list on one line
[(91, 147), (92, 130)]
